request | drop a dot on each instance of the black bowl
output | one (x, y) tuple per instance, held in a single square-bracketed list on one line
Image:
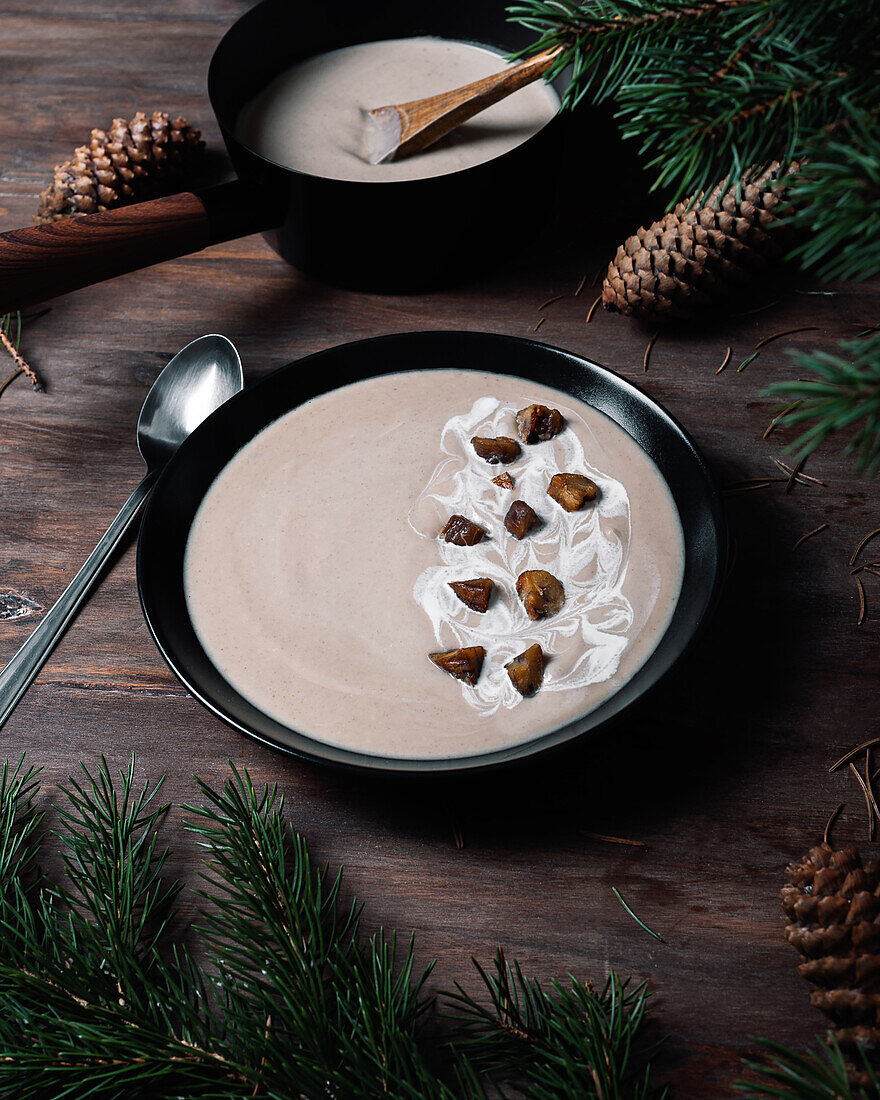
[(192, 470), (399, 235)]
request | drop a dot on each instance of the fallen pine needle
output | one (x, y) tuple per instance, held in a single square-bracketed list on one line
[(593, 309), (853, 753), (870, 566), (831, 821), (861, 589), (758, 309), (638, 921), (538, 325), (597, 276), (549, 302), (581, 284), (19, 360), (726, 361), (788, 332), (789, 470), (732, 490), (614, 839), (793, 476), (750, 359), (776, 419), (809, 535), (870, 801), (647, 355), (863, 544)]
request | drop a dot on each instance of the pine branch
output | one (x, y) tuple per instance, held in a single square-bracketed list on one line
[(820, 1074), (12, 345), (835, 203), (293, 1003), (844, 392), (718, 90), (19, 845), (571, 1043), (286, 950)]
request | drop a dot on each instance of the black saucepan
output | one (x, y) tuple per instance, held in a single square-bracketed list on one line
[(203, 455), (400, 235)]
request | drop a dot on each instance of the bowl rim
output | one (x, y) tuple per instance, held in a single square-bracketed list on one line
[(316, 751)]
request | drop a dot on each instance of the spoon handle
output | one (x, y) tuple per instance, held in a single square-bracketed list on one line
[(21, 671)]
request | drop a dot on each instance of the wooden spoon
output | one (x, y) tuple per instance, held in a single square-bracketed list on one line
[(406, 128)]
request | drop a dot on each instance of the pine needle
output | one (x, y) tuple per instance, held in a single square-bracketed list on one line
[(853, 753), (614, 839), (788, 332), (647, 355), (862, 605), (725, 360), (809, 535), (749, 359), (776, 419), (864, 542), (870, 802), (638, 920), (830, 822), (12, 346)]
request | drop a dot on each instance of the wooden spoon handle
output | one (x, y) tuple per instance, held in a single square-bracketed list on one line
[(424, 121), (42, 261)]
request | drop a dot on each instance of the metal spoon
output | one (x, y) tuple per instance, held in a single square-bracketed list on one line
[(197, 381)]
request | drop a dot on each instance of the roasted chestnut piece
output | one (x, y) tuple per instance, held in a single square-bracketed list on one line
[(538, 423), (461, 531), (501, 449), (541, 593), (463, 664), (520, 519), (476, 593), (505, 481), (526, 671), (571, 491)]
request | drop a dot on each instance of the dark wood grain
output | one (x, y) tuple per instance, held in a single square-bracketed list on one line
[(722, 773)]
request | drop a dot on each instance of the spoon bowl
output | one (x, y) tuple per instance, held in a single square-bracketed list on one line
[(198, 380)]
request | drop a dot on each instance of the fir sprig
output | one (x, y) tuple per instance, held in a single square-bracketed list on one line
[(11, 323), (820, 1074), (571, 1044), (97, 1002), (715, 90), (842, 393)]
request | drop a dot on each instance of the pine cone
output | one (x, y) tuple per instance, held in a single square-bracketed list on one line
[(696, 259), (132, 161), (832, 909)]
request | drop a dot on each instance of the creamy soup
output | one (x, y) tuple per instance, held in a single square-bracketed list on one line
[(311, 117), (318, 584)]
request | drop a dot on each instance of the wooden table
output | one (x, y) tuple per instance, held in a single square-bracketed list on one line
[(723, 774)]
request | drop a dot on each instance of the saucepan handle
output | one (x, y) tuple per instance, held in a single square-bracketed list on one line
[(43, 261)]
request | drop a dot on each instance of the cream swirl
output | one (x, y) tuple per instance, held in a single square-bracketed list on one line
[(587, 550)]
